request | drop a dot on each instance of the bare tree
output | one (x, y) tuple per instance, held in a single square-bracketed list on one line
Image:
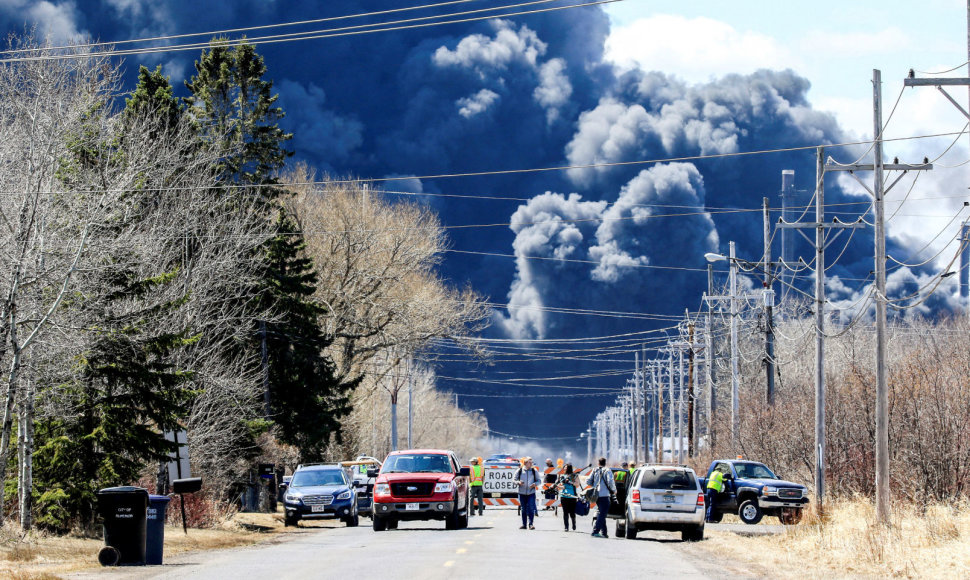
[(377, 266)]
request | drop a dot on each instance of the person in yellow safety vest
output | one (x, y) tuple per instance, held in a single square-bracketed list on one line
[(620, 476), (476, 483), (715, 485)]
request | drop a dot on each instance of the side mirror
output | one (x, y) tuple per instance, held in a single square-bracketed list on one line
[(372, 472), (464, 471)]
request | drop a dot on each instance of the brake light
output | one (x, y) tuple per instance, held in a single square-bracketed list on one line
[(700, 499), (636, 496)]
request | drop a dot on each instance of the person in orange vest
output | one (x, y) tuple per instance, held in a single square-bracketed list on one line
[(476, 482)]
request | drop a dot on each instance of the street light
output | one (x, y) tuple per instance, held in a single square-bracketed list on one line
[(735, 404)]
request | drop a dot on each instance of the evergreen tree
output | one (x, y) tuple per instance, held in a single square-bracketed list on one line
[(235, 107), (307, 400), (154, 96), (123, 395)]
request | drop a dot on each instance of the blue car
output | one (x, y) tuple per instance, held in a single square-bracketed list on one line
[(320, 491)]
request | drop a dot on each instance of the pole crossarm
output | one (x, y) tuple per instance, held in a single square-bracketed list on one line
[(940, 82), (887, 166)]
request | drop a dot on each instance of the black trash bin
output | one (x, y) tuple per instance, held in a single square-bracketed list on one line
[(155, 531), (124, 510)]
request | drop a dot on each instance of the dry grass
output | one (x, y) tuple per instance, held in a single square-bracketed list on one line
[(922, 542), (45, 557)]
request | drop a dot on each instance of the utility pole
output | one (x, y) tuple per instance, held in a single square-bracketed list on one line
[(690, 390), (821, 242), (411, 407), (671, 399), (769, 306), (636, 407), (878, 193), (711, 361), (882, 386), (735, 378)]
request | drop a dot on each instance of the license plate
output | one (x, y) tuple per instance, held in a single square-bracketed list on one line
[(318, 508), (410, 507), (669, 498)]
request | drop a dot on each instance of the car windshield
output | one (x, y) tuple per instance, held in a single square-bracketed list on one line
[(753, 471), (417, 463), (667, 479), (313, 477)]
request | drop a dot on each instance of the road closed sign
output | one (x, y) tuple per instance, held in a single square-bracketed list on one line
[(500, 480)]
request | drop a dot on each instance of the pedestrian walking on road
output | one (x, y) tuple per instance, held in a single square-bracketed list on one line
[(601, 480), (549, 482), (569, 495), (476, 484), (528, 479)]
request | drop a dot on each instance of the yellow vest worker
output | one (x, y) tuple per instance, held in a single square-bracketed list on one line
[(716, 482), (477, 475)]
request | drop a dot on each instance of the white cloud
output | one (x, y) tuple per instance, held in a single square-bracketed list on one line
[(695, 49), (476, 104), (554, 88), (480, 52)]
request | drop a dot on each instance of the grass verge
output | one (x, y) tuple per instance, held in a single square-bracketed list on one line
[(931, 541), (40, 556)]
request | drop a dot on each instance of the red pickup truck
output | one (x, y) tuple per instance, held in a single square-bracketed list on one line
[(420, 484)]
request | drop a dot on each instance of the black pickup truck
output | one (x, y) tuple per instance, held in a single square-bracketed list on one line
[(752, 491)]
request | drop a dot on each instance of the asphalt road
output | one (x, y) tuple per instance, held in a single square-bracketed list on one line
[(491, 547)]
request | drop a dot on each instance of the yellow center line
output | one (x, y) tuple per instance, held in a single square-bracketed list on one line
[(449, 563), (469, 542), (461, 550)]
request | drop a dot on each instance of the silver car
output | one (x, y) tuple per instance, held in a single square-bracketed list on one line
[(666, 498)]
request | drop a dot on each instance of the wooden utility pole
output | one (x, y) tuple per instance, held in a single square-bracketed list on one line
[(878, 193), (769, 303), (690, 390)]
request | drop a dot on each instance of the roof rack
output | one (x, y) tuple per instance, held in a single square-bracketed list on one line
[(321, 463)]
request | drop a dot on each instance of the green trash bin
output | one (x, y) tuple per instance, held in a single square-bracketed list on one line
[(125, 511)]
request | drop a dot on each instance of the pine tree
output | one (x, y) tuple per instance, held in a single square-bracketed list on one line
[(235, 107), (307, 399), (124, 394)]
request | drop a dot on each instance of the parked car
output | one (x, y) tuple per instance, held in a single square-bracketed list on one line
[(663, 497), (420, 484), (320, 491), (365, 484), (753, 491)]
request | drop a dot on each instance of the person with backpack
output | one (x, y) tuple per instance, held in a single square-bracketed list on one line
[(569, 494), (527, 476), (604, 488)]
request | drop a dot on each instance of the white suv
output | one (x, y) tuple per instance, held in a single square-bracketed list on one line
[(666, 498)]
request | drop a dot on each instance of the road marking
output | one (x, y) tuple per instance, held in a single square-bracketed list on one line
[(449, 563), (461, 550), (469, 542)]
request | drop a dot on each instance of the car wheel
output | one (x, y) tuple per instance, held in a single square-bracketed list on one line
[(790, 516), (288, 521), (692, 534), (380, 524), (716, 517), (631, 531), (353, 521), (620, 530), (392, 525), (750, 512), (463, 521)]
